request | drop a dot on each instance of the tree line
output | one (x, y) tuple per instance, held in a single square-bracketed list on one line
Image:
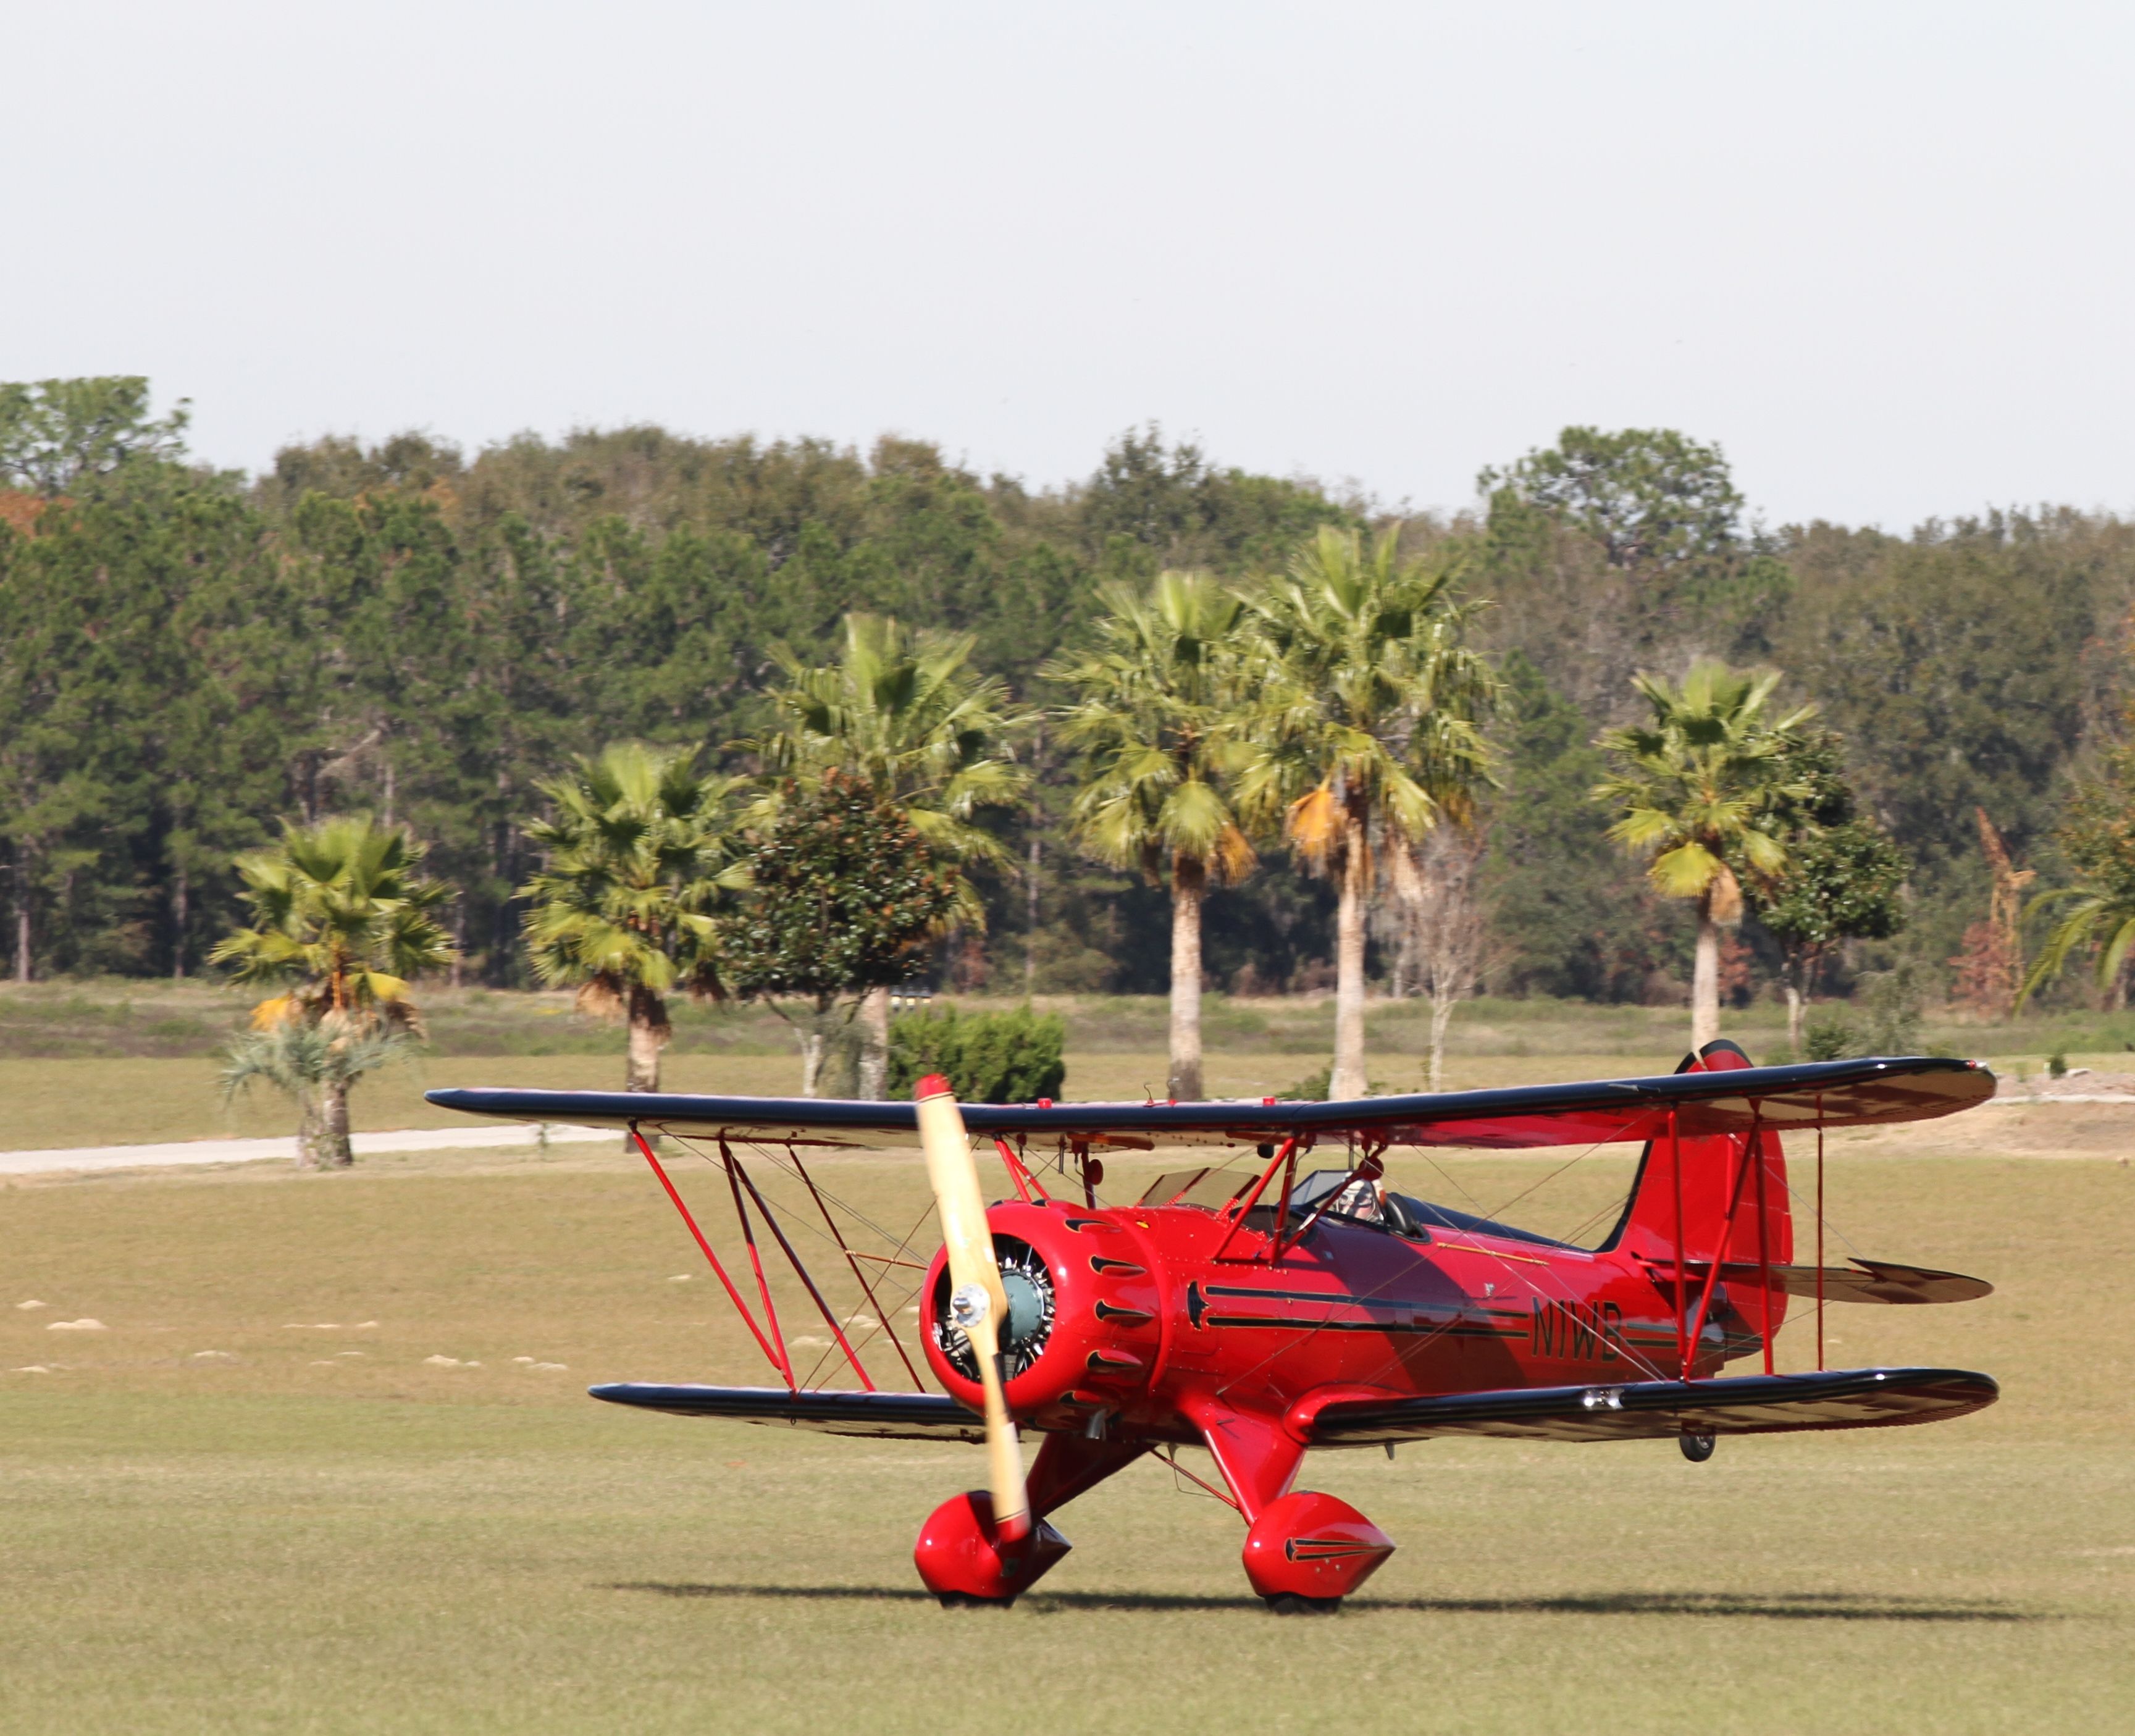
[(187, 658)]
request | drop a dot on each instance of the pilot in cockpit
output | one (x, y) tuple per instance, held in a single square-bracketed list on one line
[(1364, 1200)]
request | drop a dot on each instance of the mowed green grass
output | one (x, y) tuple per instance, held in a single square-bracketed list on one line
[(287, 1537)]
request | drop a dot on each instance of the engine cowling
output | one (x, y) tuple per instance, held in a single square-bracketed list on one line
[(1084, 1336)]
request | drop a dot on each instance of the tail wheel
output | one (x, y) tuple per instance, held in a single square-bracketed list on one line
[(1696, 1448)]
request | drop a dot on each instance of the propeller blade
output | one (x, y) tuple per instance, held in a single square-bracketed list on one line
[(976, 1300)]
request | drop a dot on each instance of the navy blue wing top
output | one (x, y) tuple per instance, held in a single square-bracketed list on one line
[(1805, 1095)]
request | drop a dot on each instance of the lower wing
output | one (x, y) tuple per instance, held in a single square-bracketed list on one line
[(898, 1416), (1851, 1398), (1859, 1398)]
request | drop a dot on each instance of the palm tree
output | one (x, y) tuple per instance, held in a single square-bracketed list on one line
[(1158, 719), (341, 920), (1702, 787), (637, 861), (317, 1066), (2098, 914), (2098, 838), (907, 714), (1367, 730)]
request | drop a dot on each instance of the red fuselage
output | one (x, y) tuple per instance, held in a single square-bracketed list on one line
[(1151, 1328)]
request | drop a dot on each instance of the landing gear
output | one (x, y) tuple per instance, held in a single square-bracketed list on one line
[(967, 1565), (1696, 1448), (1306, 1552)]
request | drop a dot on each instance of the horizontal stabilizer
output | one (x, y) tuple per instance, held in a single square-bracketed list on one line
[(896, 1416), (1853, 1398), (1882, 1280), (1876, 1280)]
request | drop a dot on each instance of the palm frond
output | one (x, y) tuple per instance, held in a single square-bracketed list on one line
[(1686, 871), (341, 920), (1157, 716), (1693, 785)]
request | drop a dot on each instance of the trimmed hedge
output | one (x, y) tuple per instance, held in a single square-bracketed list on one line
[(987, 1057)]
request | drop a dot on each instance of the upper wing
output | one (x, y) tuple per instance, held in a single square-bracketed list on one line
[(1810, 1094), (1853, 1398), (903, 1416)]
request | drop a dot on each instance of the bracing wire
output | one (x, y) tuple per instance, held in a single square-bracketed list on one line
[(901, 1297)]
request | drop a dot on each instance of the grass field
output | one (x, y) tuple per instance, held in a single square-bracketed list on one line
[(251, 1502)]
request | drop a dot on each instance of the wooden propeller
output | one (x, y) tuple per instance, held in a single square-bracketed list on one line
[(977, 1303)]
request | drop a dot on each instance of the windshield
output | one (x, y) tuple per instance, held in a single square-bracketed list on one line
[(1213, 1188)]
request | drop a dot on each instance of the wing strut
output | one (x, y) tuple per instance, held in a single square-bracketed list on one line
[(867, 1289), (1681, 1294), (704, 1247), (762, 1283), (1726, 1233), (769, 1337), (1819, 1232), (1285, 1160), (1754, 1152), (793, 1260)]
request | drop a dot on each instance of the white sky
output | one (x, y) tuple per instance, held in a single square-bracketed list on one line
[(1880, 252)]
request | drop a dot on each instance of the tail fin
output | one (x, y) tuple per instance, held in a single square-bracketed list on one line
[(1713, 1175)]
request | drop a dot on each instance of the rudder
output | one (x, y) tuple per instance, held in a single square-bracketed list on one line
[(1711, 1172)]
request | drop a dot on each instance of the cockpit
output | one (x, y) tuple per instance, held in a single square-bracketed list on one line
[(1359, 1201)]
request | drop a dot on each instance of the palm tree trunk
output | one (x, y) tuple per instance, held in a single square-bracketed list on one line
[(1795, 975), (1030, 916), (1348, 1078), (329, 1146), (874, 1045), (648, 1033), (1188, 885), (1442, 1016), (308, 1130), (1704, 978), (180, 909), (22, 913)]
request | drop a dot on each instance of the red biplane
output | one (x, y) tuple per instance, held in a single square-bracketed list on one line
[(1264, 1309)]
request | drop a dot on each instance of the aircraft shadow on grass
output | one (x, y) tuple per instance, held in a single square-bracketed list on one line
[(1784, 1607)]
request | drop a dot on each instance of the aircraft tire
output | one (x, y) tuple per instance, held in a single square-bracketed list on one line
[(1296, 1603), (969, 1600), (1697, 1448)]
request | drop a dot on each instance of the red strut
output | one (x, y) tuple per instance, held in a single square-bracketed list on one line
[(733, 1295)]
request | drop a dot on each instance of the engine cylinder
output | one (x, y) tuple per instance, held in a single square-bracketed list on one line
[(1084, 1334)]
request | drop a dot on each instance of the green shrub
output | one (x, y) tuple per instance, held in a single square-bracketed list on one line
[(987, 1057), (2057, 1065), (1893, 1002), (1830, 1037)]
